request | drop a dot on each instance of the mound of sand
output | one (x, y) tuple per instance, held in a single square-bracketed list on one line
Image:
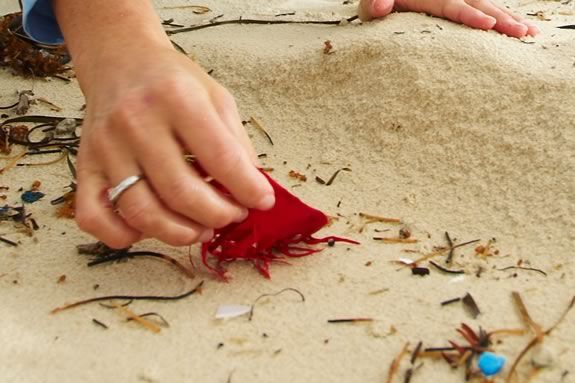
[(446, 128)]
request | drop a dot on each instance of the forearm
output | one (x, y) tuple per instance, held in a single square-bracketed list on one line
[(96, 29)]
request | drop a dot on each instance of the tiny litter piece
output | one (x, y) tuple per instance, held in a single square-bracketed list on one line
[(471, 305), (31, 196), (490, 364), (232, 311)]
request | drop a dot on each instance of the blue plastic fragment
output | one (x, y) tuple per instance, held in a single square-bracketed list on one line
[(491, 364), (31, 196)]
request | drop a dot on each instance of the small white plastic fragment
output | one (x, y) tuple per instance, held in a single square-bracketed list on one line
[(457, 279), (232, 311)]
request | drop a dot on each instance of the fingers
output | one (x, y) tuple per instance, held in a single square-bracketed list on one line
[(505, 23), (466, 14), (532, 29), (232, 120), (218, 150), (142, 210), (177, 184), (95, 215), (139, 206)]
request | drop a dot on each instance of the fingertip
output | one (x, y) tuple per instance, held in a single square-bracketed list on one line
[(372, 9), (267, 202), (206, 236), (532, 30), (242, 216)]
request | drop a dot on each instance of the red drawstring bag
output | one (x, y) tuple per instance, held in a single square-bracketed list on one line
[(266, 236)]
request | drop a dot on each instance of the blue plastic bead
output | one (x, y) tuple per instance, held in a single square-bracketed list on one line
[(491, 364), (31, 196)]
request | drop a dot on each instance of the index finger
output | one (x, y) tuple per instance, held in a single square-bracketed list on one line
[(218, 150)]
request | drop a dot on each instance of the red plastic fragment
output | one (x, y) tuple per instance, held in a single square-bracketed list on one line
[(267, 236)]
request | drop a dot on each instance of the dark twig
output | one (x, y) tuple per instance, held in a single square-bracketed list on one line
[(134, 297), (445, 270), (273, 295), (450, 301), (98, 323), (254, 21), (332, 178), (350, 320), (8, 242), (524, 268)]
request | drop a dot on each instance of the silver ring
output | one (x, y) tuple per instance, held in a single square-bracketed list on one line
[(116, 192)]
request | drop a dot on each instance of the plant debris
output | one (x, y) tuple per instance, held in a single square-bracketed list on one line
[(421, 271), (471, 305), (350, 320), (253, 307), (26, 57), (136, 318), (242, 20), (132, 297), (255, 123), (395, 240), (98, 323), (332, 178), (445, 270), (396, 363), (524, 268), (327, 47), (298, 176), (534, 327)]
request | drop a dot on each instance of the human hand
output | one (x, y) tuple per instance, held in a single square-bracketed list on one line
[(146, 107), (480, 14)]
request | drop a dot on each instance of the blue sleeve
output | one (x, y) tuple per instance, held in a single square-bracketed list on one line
[(40, 23)]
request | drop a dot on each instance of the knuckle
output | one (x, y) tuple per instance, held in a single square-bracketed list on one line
[(223, 97), (218, 218), (87, 218), (183, 195), (228, 158), (138, 214)]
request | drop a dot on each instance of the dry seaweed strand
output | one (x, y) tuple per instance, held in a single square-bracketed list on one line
[(259, 127), (98, 323), (257, 21), (445, 270), (376, 218), (197, 9), (350, 320), (524, 268), (136, 318), (539, 333), (273, 295), (396, 363), (442, 250), (334, 175), (123, 255), (133, 297), (395, 240), (163, 321), (8, 242)]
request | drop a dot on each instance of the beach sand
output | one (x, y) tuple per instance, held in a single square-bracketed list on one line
[(444, 127)]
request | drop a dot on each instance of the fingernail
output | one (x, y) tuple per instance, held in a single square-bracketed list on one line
[(267, 202), (244, 214), (206, 236)]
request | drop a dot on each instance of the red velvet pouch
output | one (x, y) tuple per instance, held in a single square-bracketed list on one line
[(266, 236)]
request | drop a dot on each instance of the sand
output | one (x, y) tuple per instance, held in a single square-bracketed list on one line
[(447, 128)]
